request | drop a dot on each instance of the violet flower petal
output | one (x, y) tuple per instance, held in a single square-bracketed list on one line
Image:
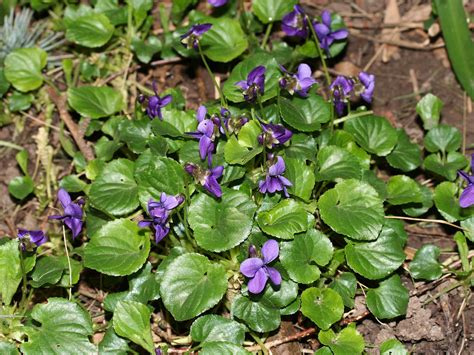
[(467, 196), (250, 266), (270, 251), (278, 168), (64, 197), (258, 282), (274, 275)]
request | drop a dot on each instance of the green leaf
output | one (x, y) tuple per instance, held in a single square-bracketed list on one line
[(323, 351), (301, 176), (447, 202), (72, 183), (157, 176), (323, 306), (347, 341), (258, 316), (18, 101), (393, 347), (402, 190), (65, 329), (429, 109), (119, 248), (242, 150), (132, 321), (284, 220), (373, 133), (23, 68), (95, 102), (135, 133), (222, 224), (175, 123), (21, 186), (305, 113), (92, 30), (22, 160), (468, 225), (378, 259), (389, 300), (303, 146), (8, 348), (10, 270), (335, 162), (224, 41), (112, 344), (345, 284), (419, 209), (191, 285), (222, 347), (443, 138), (406, 155), (353, 208), (145, 50), (300, 255), (49, 270), (272, 10), (280, 297), (272, 75), (425, 264), (458, 41), (214, 328), (115, 190), (4, 84), (447, 166)]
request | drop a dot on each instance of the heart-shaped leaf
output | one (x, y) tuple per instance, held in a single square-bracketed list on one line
[(305, 114), (425, 264), (323, 306), (91, 30), (23, 68), (284, 220), (94, 101), (389, 300)]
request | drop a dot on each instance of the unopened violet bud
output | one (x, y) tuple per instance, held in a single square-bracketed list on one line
[(252, 251), (191, 38)]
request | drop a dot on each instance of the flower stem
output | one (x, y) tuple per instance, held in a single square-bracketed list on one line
[(260, 105), (260, 343), (267, 35), (221, 94), (25, 282), (352, 115), (69, 291), (320, 52)]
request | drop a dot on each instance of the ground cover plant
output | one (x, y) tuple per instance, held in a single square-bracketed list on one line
[(281, 197)]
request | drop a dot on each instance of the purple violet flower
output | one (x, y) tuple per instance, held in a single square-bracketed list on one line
[(159, 213), (295, 23), (72, 216), (367, 88), (274, 181), (257, 269), (300, 82), (326, 35), (207, 178), (35, 236), (467, 196), (254, 85), (217, 3), (155, 103), (232, 123), (342, 88), (273, 135), (207, 130), (191, 38)]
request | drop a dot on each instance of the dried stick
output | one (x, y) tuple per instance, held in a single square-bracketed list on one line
[(284, 340), (60, 102)]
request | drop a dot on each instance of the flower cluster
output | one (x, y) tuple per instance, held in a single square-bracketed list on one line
[(343, 87), (467, 196), (160, 212), (257, 269)]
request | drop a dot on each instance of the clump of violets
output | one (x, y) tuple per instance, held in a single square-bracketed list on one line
[(217, 3), (160, 211), (295, 23), (254, 85), (36, 237), (274, 135), (207, 131), (191, 38), (274, 179), (467, 196), (155, 103), (207, 178), (300, 82), (258, 270), (327, 35), (72, 216)]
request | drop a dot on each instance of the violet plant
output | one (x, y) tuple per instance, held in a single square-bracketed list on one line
[(173, 210)]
